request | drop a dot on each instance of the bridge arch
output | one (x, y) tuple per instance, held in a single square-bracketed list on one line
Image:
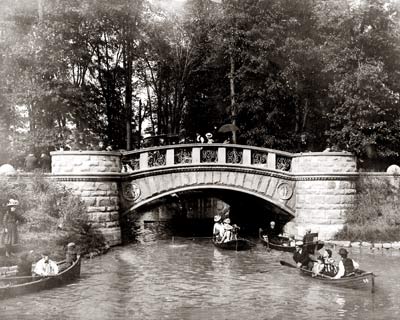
[(266, 198)]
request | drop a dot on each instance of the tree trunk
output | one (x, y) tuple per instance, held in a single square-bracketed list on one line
[(232, 93)]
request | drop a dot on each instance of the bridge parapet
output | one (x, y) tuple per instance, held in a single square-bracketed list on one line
[(198, 154)]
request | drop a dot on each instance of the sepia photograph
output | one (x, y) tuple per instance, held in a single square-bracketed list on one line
[(199, 159)]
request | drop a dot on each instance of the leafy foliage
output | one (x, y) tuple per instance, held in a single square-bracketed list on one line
[(296, 75), (52, 216)]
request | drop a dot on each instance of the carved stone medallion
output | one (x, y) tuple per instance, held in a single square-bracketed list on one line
[(131, 191), (285, 191)]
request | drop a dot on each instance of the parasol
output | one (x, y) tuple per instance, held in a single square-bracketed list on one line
[(230, 127)]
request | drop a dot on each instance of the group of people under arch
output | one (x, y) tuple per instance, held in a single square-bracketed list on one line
[(223, 231)]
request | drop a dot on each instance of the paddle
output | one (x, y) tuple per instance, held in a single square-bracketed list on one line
[(287, 264)]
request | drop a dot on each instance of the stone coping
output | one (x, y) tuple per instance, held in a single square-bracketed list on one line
[(364, 244), (85, 153), (318, 154)]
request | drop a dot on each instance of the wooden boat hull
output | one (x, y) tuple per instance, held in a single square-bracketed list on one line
[(273, 245), (15, 287), (237, 245), (362, 280)]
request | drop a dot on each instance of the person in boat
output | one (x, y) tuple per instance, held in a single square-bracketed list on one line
[(347, 266), (228, 234), (309, 243), (325, 264), (218, 230), (301, 257), (271, 232), (24, 265), (45, 266), (235, 231), (71, 255)]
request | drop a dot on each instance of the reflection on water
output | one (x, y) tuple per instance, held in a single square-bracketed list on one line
[(191, 279)]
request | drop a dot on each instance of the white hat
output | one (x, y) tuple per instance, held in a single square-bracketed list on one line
[(227, 220), (217, 218), (12, 203), (208, 135)]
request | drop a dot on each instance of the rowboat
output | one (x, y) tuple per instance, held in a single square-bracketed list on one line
[(234, 244), (15, 286), (284, 244), (361, 280)]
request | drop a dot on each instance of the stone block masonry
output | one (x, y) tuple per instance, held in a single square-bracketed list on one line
[(93, 175), (326, 188)]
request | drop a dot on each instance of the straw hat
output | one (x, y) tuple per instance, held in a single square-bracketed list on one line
[(299, 243), (217, 218), (12, 203), (208, 135)]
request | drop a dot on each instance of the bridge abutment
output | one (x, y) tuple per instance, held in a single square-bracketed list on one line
[(325, 191), (94, 176)]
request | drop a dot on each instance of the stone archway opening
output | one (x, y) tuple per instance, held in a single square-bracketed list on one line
[(191, 213)]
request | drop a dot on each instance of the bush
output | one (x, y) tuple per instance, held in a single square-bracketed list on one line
[(52, 215), (375, 215)]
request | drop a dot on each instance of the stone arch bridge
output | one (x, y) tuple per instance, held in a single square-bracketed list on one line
[(315, 188)]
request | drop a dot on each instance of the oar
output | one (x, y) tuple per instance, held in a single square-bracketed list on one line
[(14, 278), (287, 264)]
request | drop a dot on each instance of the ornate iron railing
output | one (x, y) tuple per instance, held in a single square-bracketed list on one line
[(197, 154), (157, 158), (234, 155), (209, 155)]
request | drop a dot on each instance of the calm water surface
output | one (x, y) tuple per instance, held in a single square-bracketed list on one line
[(191, 279)]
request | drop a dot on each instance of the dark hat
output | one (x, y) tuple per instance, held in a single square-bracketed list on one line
[(329, 252), (343, 252)]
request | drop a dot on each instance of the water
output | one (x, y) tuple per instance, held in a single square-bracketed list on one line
[(191, 279)]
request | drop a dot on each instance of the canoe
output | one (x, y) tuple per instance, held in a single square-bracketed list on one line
[(361, 280), (15, 286), (237, 245), (282, 244)]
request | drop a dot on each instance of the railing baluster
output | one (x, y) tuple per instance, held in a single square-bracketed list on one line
[(222, 155), (170, 157), (144, 160), (196, 155), (247, 157), (271, 160)]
